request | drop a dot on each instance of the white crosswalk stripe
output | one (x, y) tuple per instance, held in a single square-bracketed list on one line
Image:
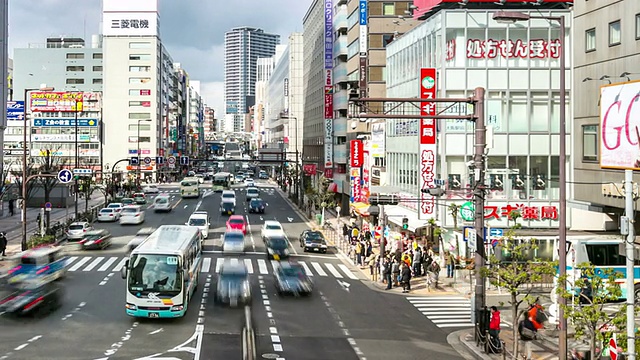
[(93, 264), (79, 264), (120, 265), (444, 311), (108, 263), (262, 266), (249, 265), (206, 265)]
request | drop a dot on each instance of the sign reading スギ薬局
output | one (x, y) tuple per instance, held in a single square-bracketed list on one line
[(620, 126), (427, 135)]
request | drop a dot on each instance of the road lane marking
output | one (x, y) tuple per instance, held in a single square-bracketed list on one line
[(262, 266), (106, 265), (120, 265), (333, 270), (274, 265), (79, 264), (348, 272), (318, 269), (93, 264), (70, 260), (249, 265), (206, 265), (306, 268), (219, 262)]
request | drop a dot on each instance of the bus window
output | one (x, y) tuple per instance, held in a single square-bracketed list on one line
[(604, 255)]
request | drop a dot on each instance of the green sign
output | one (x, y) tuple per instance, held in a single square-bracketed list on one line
[(467, 211)]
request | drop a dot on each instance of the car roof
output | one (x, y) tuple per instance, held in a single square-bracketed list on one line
[(236, 217), (97, 232), (120, 204), (107, 208), (200, 212), (252, 189), (133, 207), (146, 231), (272, 222), (257, 199), (229, 268), (228, 192), (79, 223)]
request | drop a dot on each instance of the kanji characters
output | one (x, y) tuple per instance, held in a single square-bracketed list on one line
[(491, 211), (550, 212), (506, 210), (451, 50), (530, 213), (475, 49), (492, 48), (534, 49)]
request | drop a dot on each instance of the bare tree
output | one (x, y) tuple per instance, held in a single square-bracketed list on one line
[(48, 164), (17, 182)]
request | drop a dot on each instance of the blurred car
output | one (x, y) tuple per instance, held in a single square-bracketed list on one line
[(277, 247), (233, 242), (263, 175), (151, 189), (313, 241), (31, 296), (141, 236), (249, 182), (127, 201), (132, 214), (271, 227), (108, 214), (200, 178), (227, 208), (116, 206), (162, 202), (139, 198), (257, 205), (237, 222), (200, 219), (78, 230), (46, 262), (228, 195), (252, 193), (233, 284), (290, 278), (96, 240), (239, 178)]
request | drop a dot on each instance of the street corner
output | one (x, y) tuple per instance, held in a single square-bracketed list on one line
[(463, 342)]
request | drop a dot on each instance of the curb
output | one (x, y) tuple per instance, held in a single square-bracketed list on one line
[(469, 351)]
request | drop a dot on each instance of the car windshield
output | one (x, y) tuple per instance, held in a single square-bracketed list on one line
[(76, 227), (314, 236), (106, 210), (278, 243), (189, 183), (93, 237), (274, 227), (114, 206), (232, 280), (233, 237), (138, 195), (256, 202), (197, 222), (129, 211), (154, 273), (161, 200), (127, 201), (252, 191), (236, 221), (293, 271)]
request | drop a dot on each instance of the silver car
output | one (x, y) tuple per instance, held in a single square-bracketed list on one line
[(78, 230), (233, 242)]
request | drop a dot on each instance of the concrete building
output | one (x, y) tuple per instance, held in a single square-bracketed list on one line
[(285, 99), (71, 68), (265, 68), (178, 126), (195, 118), (609, 53), (242, 48), (209, 122), (522, 110)]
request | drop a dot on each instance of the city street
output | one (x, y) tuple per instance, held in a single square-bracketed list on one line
[(343, 319)]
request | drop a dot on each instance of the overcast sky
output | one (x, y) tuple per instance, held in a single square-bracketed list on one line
[(192, 30)]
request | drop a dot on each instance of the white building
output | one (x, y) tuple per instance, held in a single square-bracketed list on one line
[(265, 68)]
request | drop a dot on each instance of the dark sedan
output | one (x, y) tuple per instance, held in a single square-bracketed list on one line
[(227, 208), (277, 247), (30, 297), (96, 240), (290, 278), (314, 241), (257, 206)]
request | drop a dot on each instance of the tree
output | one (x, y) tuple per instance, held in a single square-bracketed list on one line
[(454, 211), (48, 164), (17, 176), (586, 298), (515, 272)]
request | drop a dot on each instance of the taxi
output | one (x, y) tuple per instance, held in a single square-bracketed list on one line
[(139, 198)]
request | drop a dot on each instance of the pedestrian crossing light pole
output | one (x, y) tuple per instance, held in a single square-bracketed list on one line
[(405, 223)]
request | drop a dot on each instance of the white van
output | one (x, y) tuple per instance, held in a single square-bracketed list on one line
[(162, 203), (229, 196), (200, 219)]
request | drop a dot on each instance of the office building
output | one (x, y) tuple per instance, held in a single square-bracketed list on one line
[(195, 118), (209, 122), (242, 48), (265, 68)]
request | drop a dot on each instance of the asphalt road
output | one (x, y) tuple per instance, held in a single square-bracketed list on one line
[(343, 319)]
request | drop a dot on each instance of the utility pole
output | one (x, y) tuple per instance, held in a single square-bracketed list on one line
[(478, 196), (629, 247), (75, 150)]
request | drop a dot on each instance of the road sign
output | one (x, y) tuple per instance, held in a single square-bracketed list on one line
[(65, 176), (159, 160), (467, 211), (496, 232), (81, 171), (439, 182), (171, 160), (47, 206), (134, 160), (472, 240), (613, 348), (184, 160), (147, 160)]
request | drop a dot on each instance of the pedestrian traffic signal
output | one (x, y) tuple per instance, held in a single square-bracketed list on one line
[(405, 223)]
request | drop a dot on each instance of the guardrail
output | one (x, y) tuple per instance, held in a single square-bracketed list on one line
[(248, 337)]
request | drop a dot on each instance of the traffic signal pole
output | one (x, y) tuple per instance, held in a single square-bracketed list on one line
[(478, 197)]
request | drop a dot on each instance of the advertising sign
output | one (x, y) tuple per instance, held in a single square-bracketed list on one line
[(50, 101), (425, 6), (366, 172), (64, 122), (328, 34), (427, 138), (130, 24), (15, 110), (619, 123), (328, 143), (356, 149), (377, 140), (309, 169), (63, 137), (355, 183), (363, 27)]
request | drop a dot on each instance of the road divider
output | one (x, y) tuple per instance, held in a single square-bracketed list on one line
[(248, 336)]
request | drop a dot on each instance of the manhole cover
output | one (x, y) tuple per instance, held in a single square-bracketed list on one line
[(270, 356)]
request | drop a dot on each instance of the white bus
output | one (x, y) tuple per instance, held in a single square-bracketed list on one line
[(190, 187), (162, 272)]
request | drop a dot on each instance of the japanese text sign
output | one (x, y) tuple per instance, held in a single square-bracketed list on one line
[(328, 34), (534, 49), (130, 23), (356, 153), (50, 101), (546, 212), (427, 139), (619, 124)]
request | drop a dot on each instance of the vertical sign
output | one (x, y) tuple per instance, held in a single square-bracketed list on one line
[(366, 171), (328, 88), (355, 184), (362, 83), (428, 147), (356, 149)]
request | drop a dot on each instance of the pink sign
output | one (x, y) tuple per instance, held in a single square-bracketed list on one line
[(534, 49)]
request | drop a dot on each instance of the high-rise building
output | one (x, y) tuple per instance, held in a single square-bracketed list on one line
[(242, 48), (209, 122), (265, 68)]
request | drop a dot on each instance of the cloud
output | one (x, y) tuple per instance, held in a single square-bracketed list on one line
[(213, 94)]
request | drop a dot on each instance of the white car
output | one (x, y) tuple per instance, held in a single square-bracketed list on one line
[(248, 182), (77, 230), (252, 193), (233, 242), (200, 219), (200, 178), (116, 206), (108, 214), (151, 189), (229, 196), (272, 228), (132, 214)]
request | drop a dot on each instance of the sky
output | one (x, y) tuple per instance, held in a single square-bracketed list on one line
[(192, 30)]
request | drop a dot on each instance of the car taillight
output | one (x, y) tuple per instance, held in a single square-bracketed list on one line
[(46, 268), (110, 214), (4, 301), (98, 241), (14, 269), (33, 303), (84, 230), (136, 215)]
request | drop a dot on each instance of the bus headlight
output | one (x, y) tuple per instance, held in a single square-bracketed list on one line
[(131, 307), (177, 308)]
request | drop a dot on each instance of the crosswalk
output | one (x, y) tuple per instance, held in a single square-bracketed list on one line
[(81, 264), (444, 311)]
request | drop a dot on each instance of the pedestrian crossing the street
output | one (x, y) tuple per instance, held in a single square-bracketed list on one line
[(81, 264), (444, 311)]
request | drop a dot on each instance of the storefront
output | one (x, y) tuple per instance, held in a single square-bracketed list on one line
[(519, 68)]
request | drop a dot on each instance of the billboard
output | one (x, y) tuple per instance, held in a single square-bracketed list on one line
[(619, 126), (55, 101), (356, 153), (428, 147), (15, 110), (328, 34), (328, 143), (363, 27), (64, 122), (377, 140), (425, 6), (130, 24)]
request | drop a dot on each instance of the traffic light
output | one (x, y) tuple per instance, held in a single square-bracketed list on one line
[(405, 223), (377, 199)]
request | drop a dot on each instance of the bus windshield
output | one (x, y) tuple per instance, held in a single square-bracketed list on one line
[(154, 273), (189, 183)]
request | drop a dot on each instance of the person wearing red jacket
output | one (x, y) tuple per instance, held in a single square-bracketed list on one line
[(494, 330)]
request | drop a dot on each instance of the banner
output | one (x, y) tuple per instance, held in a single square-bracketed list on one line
[(328, 34), (356, 153), (377, 139), (309, 169), (64, 122), (363, 27), (428, 146), (50, 101), (15, 110), (366, 171), (355, 183), (63, 137), (619, 123), (328, 143)]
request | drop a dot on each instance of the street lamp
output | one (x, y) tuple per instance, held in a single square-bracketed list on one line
[(27, 106), (138, 153), (512, 17)]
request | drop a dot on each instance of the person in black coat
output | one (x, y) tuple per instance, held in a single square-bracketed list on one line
[(3, 243), (405, 278)]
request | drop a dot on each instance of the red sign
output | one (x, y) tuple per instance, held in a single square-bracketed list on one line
[(328, 79), (328, 173), (328, 102), (425, 6), (427, 91), (428, 172), (535, 49), (357, 149), (427, 136), (451, 50), (356, 188), (613, 349), (309, 169), (526, 212), (145, 92)]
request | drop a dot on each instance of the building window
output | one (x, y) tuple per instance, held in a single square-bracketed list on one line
[(97, 56), (97, 81), (136, 80), (590, 40), (139, 92), (97, 68), (614, 33), (134, 57), (139, 68), (387, 39), (75, 81), (637, 26), (139, 115), (75, 56), (134, 139), (589, 143), (139, 45), (75, 68), (139, 103), (388, 9), (143, 127)]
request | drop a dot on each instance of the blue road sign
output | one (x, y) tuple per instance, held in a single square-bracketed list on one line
[(184, 160), (439, 182), (496, 232), (82, 171), (133, 160), (147, 160), (159, 160), (65, 176), (47, 205)]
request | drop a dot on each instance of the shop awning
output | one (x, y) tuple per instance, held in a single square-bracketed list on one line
[(361, 208), (396, 213)]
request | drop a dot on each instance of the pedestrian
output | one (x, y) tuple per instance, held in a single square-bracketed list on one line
[(3, 243), (38, 219), (386, 272), (495, 345), (449, 261), (359, 253), (434, 272), (11, 206), (405, 278), (417, 261), (395, 270), (345, 232)]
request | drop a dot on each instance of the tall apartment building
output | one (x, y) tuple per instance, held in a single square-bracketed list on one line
[(607, 51), (264, 69), (242, 48), (209, 122), (178, 111), (72, 69), (195, 116), (134, 88)]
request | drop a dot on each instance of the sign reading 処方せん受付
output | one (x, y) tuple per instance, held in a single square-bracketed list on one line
[(620, 126)]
